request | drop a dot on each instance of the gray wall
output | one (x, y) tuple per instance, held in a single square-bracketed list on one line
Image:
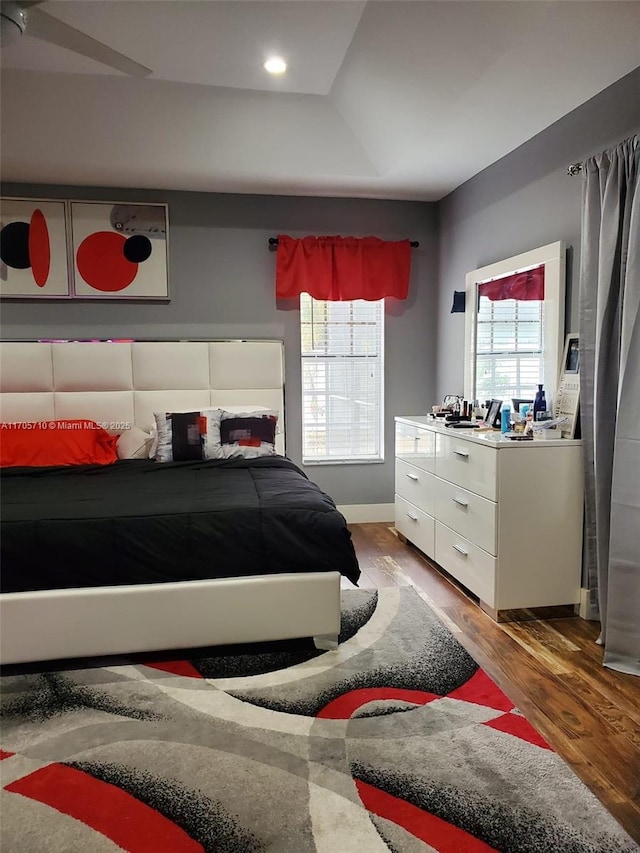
[(222, 286), (523, 201)]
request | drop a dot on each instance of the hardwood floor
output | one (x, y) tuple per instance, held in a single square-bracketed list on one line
[(551, 669)]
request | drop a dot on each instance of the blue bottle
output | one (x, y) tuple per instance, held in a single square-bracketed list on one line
[(540, 402), (505, 418)]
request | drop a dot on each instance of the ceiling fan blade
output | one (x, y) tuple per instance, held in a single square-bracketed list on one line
[(46, 27)]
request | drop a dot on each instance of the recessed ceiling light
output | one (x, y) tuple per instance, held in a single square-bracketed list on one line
[(275, 65)]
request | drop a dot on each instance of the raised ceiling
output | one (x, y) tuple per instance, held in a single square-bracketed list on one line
[(381, 99)]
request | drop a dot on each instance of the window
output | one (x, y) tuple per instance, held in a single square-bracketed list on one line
[(342, 346), (512, 345), (509, 348)]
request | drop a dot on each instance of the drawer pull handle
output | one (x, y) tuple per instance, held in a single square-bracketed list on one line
[(460, 502), (412, 517), (413, 477), (460, 550), (462, 453)]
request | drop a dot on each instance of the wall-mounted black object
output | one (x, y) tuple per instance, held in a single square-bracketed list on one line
[(459, 302)]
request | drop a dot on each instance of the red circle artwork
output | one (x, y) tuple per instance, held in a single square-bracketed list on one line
[(102, 263)]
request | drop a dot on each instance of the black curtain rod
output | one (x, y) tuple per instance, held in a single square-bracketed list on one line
[(273, 243)]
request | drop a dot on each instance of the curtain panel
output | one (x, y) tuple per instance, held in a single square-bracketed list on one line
[(338, 269), (525, 286), (610, 394)]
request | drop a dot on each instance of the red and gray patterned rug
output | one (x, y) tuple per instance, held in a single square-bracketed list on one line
[(396, 742)]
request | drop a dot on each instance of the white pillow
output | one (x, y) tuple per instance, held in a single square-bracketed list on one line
[(134, 443)]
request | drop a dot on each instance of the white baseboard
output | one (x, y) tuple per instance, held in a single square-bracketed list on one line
[(364, 513)]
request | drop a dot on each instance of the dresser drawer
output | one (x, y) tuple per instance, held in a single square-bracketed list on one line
[(468, 514), (467, 464), (470, 565), (416, 486), (416, 445), (416, 525)]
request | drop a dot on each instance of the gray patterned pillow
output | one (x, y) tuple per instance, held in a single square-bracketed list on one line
[(183, 436), (214, 434), (241, 434)]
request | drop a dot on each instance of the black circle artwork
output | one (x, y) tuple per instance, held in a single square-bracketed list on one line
[(14, 245), (137, 248)]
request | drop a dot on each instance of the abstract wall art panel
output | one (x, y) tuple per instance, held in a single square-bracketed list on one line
[(33, 249), (119, 250)]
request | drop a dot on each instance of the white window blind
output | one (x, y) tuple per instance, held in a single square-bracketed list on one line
[(342, 348), (509, 348)]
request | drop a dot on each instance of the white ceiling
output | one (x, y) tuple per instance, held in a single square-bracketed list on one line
[(382, 99)]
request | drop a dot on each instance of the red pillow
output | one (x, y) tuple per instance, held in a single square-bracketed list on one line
[(66, 442)]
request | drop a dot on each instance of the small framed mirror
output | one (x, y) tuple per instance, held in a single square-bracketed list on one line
[(493, 414), (514, 325)]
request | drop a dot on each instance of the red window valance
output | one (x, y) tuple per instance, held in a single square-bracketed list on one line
[(342, 268), (525, 286)]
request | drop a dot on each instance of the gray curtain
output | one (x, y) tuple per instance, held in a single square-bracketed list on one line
[(610, 394)]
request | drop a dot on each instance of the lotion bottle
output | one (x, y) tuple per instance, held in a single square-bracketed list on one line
[(505, 418), (540, 402)]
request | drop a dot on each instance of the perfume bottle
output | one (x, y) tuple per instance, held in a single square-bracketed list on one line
[(540, 402)]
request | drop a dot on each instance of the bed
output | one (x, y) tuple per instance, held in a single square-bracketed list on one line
[(144, 556)]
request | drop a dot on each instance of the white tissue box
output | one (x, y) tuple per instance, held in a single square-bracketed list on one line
[(549, 434)]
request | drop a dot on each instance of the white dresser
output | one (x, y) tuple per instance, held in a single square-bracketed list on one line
[(502, 517)]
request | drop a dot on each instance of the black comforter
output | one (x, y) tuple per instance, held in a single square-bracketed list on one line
[(145, 522)]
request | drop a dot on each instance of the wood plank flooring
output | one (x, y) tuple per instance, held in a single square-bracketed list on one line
[(551, 669)]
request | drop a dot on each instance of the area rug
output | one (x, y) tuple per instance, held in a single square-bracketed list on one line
[(397, 741)]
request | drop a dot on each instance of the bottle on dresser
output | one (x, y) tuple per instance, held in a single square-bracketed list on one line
[(540, 402), (505, 418)]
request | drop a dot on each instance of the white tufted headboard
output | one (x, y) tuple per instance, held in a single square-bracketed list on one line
[(126, 382)]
